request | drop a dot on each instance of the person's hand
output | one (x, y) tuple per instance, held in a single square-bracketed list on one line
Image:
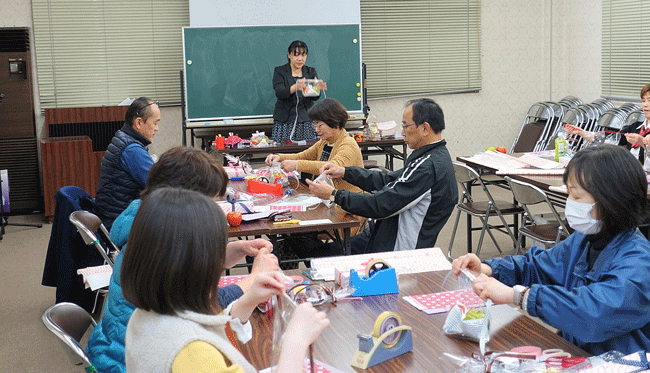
[(320, 190), (332, 170), (646, 140), (289, 165), (573, 129), (300, 84), (264, 262), (634, 138), (271, 158), (489, 287), (305, 325), (321, 85), (265, 285), (469, 261), (237, 250)]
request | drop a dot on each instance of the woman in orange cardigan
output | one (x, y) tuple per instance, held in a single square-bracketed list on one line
[(335, 145)]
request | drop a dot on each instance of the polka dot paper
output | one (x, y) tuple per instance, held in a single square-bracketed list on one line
[(229, 280), (444, 301)]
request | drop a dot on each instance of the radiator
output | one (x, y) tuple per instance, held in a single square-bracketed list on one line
[(73, 149)]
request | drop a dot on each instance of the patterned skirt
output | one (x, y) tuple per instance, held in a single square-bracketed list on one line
[(303, 131)]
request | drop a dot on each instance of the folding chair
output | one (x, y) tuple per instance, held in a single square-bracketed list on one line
[(532, 225), (87, 223), (69, 322), (483, 210)]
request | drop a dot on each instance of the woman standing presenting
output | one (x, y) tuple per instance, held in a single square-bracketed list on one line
[(290, 119)]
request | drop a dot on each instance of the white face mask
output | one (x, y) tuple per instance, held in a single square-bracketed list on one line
[(578, 215)]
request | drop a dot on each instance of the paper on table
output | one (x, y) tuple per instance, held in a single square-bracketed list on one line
[(497, 160), (530, 171), (407, 261), (539, 162), (314, 222)]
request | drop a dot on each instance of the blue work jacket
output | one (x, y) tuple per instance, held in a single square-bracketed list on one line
[(602, 309)]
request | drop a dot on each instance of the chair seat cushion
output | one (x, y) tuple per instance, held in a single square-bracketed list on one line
[(541, 232), (481, 207)]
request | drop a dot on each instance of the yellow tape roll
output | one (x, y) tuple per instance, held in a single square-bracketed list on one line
[(386, 321)]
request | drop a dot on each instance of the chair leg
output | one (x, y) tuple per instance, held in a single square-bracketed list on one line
[(480, 239), (453, 235), (489, 231), (505, 224), (519, 243)]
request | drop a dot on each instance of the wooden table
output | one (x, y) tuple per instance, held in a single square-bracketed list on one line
[(340, 219), (338, 343), (381, 147)]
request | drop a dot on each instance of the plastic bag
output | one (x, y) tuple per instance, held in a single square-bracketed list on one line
[(322, 178)]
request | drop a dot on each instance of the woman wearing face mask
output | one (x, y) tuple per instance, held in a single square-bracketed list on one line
[(595, 285)]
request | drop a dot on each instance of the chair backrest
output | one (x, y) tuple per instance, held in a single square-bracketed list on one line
[(87, 224), (465, 174), (69, 322), (528, 194)]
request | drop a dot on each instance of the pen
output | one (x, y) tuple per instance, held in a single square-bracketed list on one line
[(292, 221)]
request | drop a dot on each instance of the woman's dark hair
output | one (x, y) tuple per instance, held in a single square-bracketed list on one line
[(645, 90), (139, 108), (329, 111), (187, 168), (426, 110), (615, 178), (298, 46), (176, 253)]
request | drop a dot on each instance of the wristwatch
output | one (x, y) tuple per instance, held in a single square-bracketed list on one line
[(518, 295), (333, 195)]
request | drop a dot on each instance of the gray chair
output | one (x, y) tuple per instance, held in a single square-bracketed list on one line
[(69, 322), (481, 209), (87, 224), (533, 225)]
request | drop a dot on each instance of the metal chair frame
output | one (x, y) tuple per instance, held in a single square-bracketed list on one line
[(87, 224), (465, 176), (527, 195), (69, 322)]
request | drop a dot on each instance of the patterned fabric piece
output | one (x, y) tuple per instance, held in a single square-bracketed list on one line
[(282, 132)]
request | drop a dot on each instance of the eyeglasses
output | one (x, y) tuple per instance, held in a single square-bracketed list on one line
[(139, 113), (405, 126), (317, 126)]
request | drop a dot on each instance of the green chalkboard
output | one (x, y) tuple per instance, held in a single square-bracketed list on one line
[(229, 70)]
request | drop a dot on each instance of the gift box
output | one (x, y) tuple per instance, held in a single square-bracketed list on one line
[(244, 207)]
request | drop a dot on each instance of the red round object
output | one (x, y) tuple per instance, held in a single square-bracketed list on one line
[(234, 218)]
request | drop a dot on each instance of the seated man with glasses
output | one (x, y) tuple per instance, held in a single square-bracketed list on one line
[(126, 162), (410, 205)]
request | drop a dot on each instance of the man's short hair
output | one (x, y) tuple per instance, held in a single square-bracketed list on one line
[(426, 110), (187, 168), (140, 108)]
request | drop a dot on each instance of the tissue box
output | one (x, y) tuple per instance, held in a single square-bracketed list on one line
[(226, 207)]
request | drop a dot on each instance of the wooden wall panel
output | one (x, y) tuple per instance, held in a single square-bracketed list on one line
[(68, 161)]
